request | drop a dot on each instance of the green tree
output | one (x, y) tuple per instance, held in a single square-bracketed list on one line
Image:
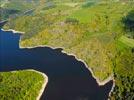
[(129, 22)]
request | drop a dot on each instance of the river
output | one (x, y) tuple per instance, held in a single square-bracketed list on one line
[(68, 78)]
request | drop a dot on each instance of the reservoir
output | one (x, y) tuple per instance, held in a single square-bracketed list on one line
[(68, 78)]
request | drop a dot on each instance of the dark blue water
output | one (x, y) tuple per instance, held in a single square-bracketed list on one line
[(69, 79)]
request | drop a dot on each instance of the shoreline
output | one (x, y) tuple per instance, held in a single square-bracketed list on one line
[(13, 31), (43, 85), (71, 54), (100, 83)]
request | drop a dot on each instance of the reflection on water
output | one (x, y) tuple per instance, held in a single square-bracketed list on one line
[(69, 79)]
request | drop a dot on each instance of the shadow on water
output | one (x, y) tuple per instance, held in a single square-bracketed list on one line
[(69, 79)]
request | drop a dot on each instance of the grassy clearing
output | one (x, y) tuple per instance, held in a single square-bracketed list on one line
[(71, 4), (127, 41)]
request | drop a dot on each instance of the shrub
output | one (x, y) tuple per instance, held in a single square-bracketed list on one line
[(72, 20), (88, 4)]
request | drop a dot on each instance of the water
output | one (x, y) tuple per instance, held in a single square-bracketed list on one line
[(69, 79)]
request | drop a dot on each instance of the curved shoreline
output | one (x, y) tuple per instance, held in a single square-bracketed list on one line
[(70, 54), (43, 85)]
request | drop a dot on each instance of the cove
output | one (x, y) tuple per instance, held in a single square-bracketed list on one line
[(68, 78)]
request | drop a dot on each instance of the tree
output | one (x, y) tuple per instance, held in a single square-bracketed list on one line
[(129, 22)]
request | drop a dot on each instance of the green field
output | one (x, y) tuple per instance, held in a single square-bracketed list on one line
[(127, 41)]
